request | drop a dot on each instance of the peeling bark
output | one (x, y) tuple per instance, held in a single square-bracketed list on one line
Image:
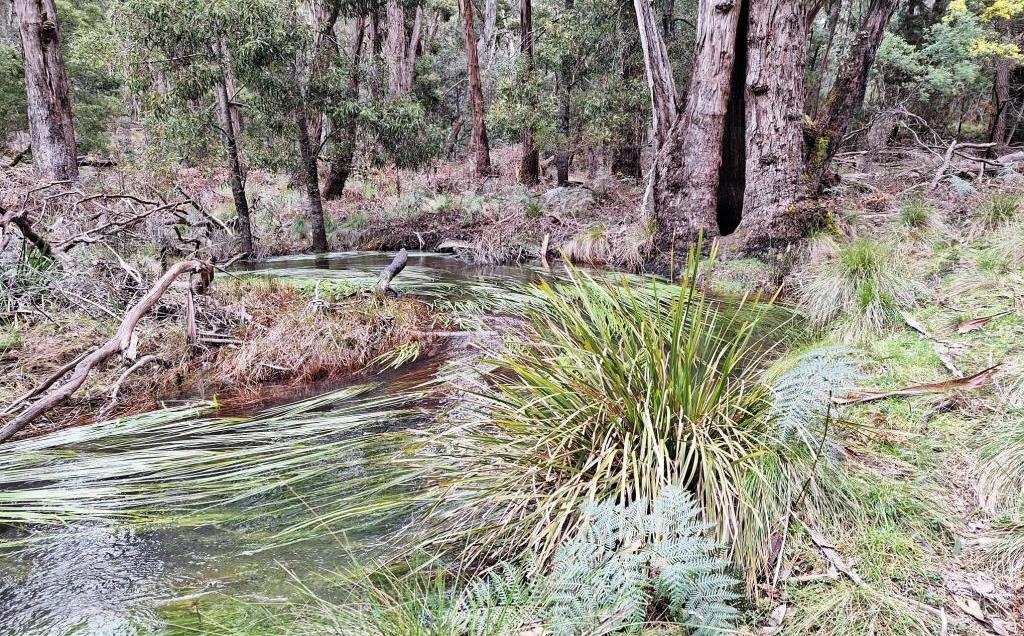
[(774, 104), (687, 171), (54, 152)]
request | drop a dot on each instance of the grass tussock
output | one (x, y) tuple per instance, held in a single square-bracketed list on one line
[(618, 393), (864, 283), (843, 608), (624, 246)]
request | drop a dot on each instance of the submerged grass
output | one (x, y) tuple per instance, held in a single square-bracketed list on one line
[(174, 466)]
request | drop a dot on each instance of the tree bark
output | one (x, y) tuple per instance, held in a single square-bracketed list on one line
[(846, 97), (402, 50), (344, 142), (660, 81), (687, 168), (51, 128), (481, 148), (1001, 103), (396, 48), (773, 209), (235, 176), (529, 167), (315, 210)]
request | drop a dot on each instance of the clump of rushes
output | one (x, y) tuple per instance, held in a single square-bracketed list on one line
[(865, 283), (617, 393), (916, 214), (1002, 208)]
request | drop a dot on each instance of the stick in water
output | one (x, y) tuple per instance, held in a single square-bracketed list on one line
[(392, 270)]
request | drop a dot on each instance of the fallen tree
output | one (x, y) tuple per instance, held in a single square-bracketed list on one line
[(122, 342)]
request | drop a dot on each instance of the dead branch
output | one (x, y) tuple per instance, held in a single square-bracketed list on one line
[(96, 234), (122, 340), (945, 166), (392, 270), (19, 220)]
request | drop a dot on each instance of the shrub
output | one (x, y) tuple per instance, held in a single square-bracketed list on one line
[(616, 574), (864, 282)]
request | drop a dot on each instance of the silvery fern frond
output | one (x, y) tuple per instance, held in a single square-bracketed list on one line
[(801, 395)]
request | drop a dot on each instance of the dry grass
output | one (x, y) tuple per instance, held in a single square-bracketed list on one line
[(864, 283), (292, 338)]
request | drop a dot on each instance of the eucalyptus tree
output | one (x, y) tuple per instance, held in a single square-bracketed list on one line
[(201, 61), (51, 126), (481, 146)]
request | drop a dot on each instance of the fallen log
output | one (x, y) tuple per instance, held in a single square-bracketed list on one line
[(391, 271), (122, 341)]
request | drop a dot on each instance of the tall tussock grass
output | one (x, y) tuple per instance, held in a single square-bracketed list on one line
[(865, 282), (618, 393)]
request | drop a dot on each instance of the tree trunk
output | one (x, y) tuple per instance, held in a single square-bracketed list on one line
[(1001, 110), (481, 149), (344, 142), (773, 209), (402, 51), (396, 46), (626, 157), (311, 179), (660, 81), (236, 178), (846, 97), (54, 152), (529, 167), (687, 169), (564, 88)]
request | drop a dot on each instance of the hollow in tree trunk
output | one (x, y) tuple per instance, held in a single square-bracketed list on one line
[(481, 148), (311, 180), (51, 128), (230, 139), (529, 166), (687, 168), (773, 203)]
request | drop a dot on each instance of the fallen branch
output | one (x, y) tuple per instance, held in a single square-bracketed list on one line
[(945, 166), (19, 220), (975, 381), (122, 340), (392, 270)]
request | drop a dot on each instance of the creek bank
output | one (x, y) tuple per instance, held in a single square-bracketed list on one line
[(258, 340)]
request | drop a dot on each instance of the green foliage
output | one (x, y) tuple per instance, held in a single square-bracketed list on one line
[(618, 393), (1001, 208), (916, 214), (864, 282), (12, 92), (403, 133), (627, 558)]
